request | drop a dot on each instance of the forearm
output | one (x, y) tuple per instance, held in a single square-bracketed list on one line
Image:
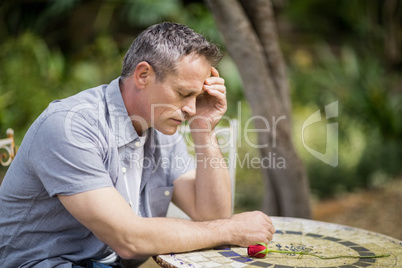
[(152, 236), (109, 217), (213, 196)]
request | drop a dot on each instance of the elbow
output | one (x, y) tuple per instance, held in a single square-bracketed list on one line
[(224, 211), (224, 214), (217, 215), (128, 253), (130, 250)]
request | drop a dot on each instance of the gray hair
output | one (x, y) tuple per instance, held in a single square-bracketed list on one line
[(163, 45)]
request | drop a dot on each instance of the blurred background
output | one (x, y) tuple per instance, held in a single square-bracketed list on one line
[(335, 50)]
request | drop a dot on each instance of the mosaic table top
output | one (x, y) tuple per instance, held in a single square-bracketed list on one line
[(321, 238)]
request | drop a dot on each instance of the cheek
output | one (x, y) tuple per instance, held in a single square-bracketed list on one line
[(165, 105), (167, 109), (164, 112), (173, 112)]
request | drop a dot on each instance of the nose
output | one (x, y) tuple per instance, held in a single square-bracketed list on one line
[(189, 108)]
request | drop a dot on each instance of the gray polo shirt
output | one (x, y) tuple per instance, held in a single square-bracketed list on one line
[(79, 144)]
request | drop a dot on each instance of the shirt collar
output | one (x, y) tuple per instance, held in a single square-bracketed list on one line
[(122, 127), (121, 124)]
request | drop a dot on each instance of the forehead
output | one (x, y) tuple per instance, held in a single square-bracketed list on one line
[(191, 72)]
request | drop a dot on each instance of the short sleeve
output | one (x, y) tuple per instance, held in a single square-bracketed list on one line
[(68, 156)]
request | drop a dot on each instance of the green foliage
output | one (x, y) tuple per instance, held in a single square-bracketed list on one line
[(340, 21), (148, 12), (198, 17), (33, 76), (370, 126)]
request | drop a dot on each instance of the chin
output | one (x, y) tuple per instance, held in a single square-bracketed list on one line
[(167, 130)]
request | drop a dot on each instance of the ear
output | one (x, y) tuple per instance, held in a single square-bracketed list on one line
[(143, 75)]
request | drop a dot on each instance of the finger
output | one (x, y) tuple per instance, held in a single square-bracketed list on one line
[(214, 80), (272, 229), (270, 237), (214, 72), (267, 218), (216, 93), (220, 88)]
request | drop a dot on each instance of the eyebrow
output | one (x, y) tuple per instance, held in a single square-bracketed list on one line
[(189, 91)]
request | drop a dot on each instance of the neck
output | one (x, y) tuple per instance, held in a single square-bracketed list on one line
[(138, 127), (132, 102)]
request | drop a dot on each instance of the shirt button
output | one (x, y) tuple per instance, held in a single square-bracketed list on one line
[(167, 193), (137, 144)]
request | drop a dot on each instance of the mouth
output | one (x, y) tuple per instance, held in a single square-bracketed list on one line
[(177, 121)]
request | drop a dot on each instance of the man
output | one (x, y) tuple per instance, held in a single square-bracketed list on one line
[(89, 183)]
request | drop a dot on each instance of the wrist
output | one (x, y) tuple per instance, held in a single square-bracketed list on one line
[(202, 136), (225, 231), (205, 140), (202, 124)]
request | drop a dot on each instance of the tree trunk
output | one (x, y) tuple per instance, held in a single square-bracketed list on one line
[(392, 40), (249, 31)]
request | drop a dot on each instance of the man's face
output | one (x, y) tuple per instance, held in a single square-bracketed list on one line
[(174, 100)]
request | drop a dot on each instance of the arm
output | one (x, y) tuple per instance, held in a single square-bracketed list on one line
[(209, 196), (213, 186), (109, 217), (206, 193)]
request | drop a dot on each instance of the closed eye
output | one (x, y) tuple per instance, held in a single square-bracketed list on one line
[(184, 95)]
